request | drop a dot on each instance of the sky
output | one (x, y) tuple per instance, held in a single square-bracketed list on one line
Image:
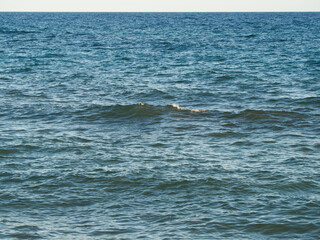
[(160, 5)]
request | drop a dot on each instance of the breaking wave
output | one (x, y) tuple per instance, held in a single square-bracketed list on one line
[(139, 110)]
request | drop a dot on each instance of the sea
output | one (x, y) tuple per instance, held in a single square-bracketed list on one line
[(159, 126)]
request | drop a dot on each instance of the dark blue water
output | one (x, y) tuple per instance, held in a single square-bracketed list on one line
[(159, 125)]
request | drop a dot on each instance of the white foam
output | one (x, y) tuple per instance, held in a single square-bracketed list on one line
[(185, 109), (176, 107)]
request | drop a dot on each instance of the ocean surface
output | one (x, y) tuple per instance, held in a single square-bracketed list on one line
[(159, 126)]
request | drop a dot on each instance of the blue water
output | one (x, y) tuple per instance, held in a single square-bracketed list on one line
[(159, 125)]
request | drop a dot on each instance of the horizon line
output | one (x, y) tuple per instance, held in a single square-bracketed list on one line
[(15, 11)]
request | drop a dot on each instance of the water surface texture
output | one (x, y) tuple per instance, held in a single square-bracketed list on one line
[(159, 125)]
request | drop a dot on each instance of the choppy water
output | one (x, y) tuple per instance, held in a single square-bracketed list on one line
[(159, 126)]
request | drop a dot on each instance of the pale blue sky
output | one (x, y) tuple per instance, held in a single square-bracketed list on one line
[(160, 5)]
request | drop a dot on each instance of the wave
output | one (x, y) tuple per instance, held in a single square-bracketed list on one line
[(276, 120), (261, 115), (142, 110), (139, 110), (15, 31)]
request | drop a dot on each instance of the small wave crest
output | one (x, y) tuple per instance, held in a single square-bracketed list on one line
[(177, 107), (139, 110)]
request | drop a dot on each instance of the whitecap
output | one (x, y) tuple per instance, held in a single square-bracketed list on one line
[(185, 109)]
